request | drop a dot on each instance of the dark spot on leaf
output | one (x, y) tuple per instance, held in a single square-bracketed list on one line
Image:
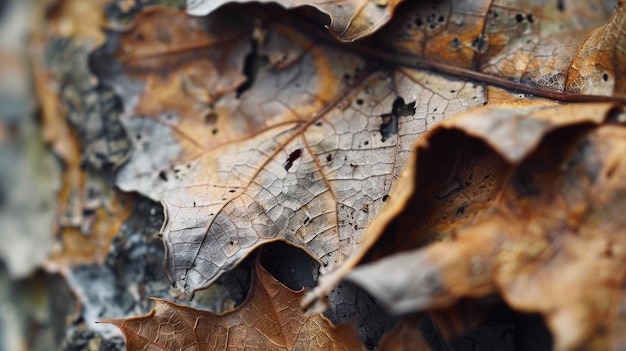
[(449, 189), (418, 22), (307, 220), (366, 142), (194, 204), (292, 158), (605, 77), (359, 102), (231, 190), (214, 131), (163, 176), (163, 36), (210, 118), (441, 19), (329, 157), (346, 76), (318, 124), (480, 43), (139, 36), (560, 5), (461, 209), (455, 42), (385, 198), (530, 18), (519, 18), (399, 109)]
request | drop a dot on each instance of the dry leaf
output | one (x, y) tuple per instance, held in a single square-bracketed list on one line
[(529, 206), (573, 47), (306, 150), (250, 131), (349, 19), (251, 127), (270, 319), (407, 336)]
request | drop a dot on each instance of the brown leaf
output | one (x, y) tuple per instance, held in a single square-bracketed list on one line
[(405, 337), (350, 20), (529, 207), (569, 48), (305, 150), (270, 319)]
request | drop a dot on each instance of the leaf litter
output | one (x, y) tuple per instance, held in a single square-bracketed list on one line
[(278, 133)]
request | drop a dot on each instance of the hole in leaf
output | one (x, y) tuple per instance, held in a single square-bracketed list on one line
[(399, 109), (292, 158), (252, 65)]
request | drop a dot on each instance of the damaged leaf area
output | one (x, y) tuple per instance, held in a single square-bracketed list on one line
[(527, 203), (350, 20), (555, 49), (250, 131), (270, 319)]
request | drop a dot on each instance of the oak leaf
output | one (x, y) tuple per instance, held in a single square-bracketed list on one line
[(270, 319), (527, 204)]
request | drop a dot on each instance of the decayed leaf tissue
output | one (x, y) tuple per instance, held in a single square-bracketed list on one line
[(312, 175)]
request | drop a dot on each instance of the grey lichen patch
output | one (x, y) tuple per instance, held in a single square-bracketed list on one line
[(92, 109)]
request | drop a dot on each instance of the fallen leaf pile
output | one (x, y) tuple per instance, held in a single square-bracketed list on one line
[(425, 155)]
